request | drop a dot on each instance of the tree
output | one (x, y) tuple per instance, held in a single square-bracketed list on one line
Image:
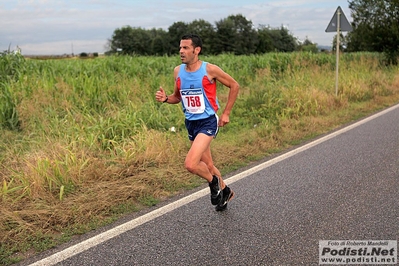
[(160, 44), (236, 34), (128, 40), (247, 38), (224, 42), (375, 27), (282, 40), (308, 46), (265, 41), (207, 33), (120, 40), (175, 32)]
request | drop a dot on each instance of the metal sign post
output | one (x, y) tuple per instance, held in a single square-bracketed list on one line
[(337, 58), (338, 23)]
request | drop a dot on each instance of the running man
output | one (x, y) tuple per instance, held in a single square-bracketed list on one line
[(195, 88)]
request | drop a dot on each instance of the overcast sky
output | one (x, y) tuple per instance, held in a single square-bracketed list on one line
[(43, 27)]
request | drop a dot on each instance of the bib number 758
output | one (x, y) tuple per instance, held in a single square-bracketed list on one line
[(193, 101)]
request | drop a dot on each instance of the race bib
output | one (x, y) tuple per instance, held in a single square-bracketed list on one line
[(193, 100)]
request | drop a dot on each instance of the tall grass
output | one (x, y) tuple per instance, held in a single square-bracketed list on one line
[(81, 138), (10, 66)]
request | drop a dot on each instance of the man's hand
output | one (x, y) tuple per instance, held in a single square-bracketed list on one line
[(224, 120), (160, 95)]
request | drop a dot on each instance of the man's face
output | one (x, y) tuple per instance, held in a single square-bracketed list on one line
[(187, 52)]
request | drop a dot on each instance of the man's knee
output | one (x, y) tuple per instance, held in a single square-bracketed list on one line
[(190, 166)]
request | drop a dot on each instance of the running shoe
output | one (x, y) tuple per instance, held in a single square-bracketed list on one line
[(216, 191), (228, 195)]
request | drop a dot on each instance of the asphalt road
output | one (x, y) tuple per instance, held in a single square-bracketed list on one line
[(343, 186)]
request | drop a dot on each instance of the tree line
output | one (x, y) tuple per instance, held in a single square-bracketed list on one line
[(234, 34), (375, 29)]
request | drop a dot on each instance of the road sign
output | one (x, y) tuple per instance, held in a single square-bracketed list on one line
[(343, 22), (337, 24)]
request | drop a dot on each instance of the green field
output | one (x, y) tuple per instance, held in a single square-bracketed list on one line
[(84, 142)]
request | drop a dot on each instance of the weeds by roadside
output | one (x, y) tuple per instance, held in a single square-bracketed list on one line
[(91, 144)]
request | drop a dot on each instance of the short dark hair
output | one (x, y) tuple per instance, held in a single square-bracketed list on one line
[(195, 40)]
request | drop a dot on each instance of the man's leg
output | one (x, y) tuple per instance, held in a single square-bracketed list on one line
[(199, 162), (228, 194), (193, 161), (207, 159)]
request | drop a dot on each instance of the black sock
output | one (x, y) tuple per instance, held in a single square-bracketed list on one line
[(214, 180)]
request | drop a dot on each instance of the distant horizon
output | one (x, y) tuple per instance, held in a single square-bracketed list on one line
[(320, 47)]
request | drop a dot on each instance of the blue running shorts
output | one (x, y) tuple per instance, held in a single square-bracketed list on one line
[(207, 126)]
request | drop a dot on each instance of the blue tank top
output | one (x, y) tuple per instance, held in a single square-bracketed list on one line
[(198, 93)]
